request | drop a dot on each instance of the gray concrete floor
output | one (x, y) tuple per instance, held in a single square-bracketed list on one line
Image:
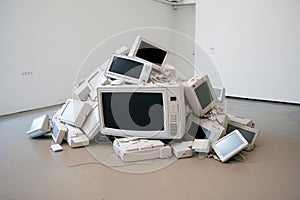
[(29, 170)]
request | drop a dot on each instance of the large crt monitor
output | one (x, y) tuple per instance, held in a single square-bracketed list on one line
[(149, 111), (200, 95), (149, 51)]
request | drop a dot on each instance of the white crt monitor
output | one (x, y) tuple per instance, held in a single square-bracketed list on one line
[(128, 69), (147, 111), (229, 145), (200, 95), (149, 51)]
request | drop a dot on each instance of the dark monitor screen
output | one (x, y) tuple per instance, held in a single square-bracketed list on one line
[(248, 135), (126, 67), (229, 144), (133, 111), (198, 132), (151, 53), (204, 94)]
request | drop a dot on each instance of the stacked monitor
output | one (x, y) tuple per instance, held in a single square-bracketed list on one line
[(134, 93)]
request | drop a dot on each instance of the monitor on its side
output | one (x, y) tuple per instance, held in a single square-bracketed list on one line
[(229, 145), (200, 95), (142, 111), (250, 134), (128, 69), (149, 51)]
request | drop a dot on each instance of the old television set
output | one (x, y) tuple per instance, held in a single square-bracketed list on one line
[(250, 134), (128, 69), (145, 111), (75, 112), (149, 51), (200, 94)]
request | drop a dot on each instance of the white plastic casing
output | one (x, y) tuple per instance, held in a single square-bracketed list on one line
[(40, 126), (189, 89), (75, 112)]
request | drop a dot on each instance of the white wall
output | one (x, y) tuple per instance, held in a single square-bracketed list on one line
[(51, 38), (255, 44), (184, 42)]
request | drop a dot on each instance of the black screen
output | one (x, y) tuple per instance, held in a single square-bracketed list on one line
[(198, 132), (133, 111), (204, 94), (248, 135), (126, 67), (151, 53)]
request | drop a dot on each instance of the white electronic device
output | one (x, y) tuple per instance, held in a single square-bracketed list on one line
[(200, 95), (75, 112), (223, 120), (204, 128), (229, 145), (94, 80), (220, 93), (134, 149), (145, 111), (91, 126), (128, 69), (170, 71), (122, 51), (241, 120), (82, 90), (250, 134), (182, 149), (56, 147), (149, 51), (59, 130), (76, 138), (40, 126), (201, 146)]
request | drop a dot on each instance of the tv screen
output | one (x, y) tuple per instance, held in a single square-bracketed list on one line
[(133, 111), (126, 67), (151, 53), (197, 131), (203, 94), (229, 144), (248, 135)]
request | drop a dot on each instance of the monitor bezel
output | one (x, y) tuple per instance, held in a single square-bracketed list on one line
[(62, 131), (144, 75), (136, 45), (157, 134), (238, 126), (192, 98), (234, 151)]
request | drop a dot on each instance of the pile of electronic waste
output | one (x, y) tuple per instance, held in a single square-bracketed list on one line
[(136, 99)]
